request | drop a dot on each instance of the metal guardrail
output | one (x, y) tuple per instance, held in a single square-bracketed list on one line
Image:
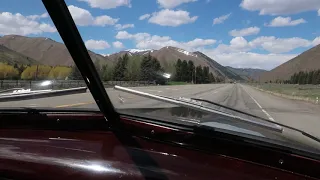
[(9, 90), (65, 84), (41, 94)]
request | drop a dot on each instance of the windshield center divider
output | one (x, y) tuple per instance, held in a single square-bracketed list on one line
[(69, 33)]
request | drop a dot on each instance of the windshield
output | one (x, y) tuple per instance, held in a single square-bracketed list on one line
[(250, 62)]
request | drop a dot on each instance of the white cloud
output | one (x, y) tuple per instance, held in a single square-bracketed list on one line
[(37, 17), (96, 44), (285, 21), (147, 41), (237, 44), (280, 45), (279, 7), (104, 20), (269, 43), (319, 12), (236, 53), (200, 42), (23, 25), (221, 19), (145, 16), (173, 18), (173, 3), (123, 35), (118, 44), (250, 60), (107, 4), (83, 17), (245, 32), (124, 26)]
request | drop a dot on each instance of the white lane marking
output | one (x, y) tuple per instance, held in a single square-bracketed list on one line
[(215, 92), (264, 111), (255, 101), (269, 116)]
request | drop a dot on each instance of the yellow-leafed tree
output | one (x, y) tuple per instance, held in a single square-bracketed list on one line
[(36, 72), (8, 71), (59, 72)]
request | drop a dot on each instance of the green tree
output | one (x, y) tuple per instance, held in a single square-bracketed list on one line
[(133, 69), (191, 69), (206, 75), (184, 71), (178, 75), (151, 70), (211, 78), (300, 77), (75, 73), (294, 78), (98, 68), (107, 74), (310, 77), (316, 77), (121, 68), (199, 75)]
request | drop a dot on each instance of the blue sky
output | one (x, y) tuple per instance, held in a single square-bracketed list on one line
[(239, 33)]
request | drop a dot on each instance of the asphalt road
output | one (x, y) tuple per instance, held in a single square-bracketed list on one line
[(298, 114)]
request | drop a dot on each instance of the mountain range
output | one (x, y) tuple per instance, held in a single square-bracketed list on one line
[(44, 50), (41, 50), (307, 61), (11, 57), (169, 55), (247, 73)]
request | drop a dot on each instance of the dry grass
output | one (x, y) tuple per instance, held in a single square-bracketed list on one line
[(292, 91)]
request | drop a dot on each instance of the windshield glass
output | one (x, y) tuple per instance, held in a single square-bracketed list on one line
[(260, 61)]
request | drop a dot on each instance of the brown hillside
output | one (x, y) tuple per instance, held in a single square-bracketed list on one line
[(12, 57), (168, 56), (307, 61), (44, 50)]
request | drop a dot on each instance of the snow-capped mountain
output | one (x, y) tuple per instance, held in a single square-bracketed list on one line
[(168, 56), (139, 50)]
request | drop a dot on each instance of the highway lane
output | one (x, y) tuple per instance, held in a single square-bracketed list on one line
[(299, 114)]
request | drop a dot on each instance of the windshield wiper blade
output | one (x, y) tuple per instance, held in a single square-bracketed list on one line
[(232, 109), (198, 107), (263, 119)]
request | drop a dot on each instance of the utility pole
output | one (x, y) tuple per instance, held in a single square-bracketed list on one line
[(195, 75), (192, 77), (36, 74)]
